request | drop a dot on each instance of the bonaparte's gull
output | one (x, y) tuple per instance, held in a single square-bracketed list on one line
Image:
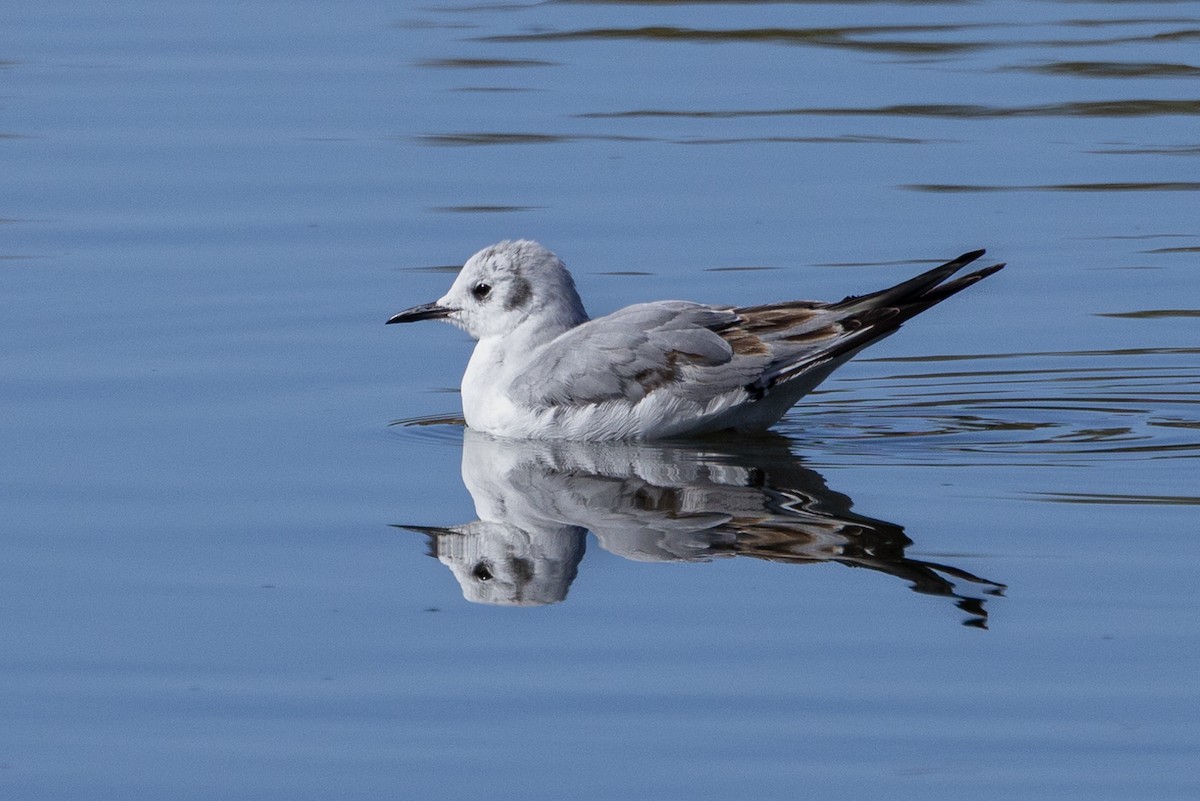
[(543, 370)]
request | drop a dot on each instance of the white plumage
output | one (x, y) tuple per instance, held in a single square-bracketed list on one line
[(543, 370)]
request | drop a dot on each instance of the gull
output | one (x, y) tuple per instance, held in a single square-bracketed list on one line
[(541, 369)]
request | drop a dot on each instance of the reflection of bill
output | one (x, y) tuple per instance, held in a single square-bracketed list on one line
[(660, 503)]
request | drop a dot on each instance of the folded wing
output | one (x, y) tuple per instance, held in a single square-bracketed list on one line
[(638, 350), (699, 352)]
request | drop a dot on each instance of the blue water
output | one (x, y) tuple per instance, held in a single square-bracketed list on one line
[(207, 430)]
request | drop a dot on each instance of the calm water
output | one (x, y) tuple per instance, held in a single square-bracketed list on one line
[(966, 568)]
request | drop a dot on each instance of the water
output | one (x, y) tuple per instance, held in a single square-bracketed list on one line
[(210, 211)]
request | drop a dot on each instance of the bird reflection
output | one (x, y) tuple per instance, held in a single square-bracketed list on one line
[(659, 502)]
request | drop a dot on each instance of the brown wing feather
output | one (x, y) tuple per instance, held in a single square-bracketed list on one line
[(805, 335)]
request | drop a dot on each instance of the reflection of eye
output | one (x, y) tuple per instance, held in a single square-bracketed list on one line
[(482, 571), (481, 291)]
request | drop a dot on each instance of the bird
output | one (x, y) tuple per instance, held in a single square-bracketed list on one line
[(542, 369)]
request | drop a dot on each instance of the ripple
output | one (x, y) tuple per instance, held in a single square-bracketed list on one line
[(495, 89), (1125, 21), (461, 139), (856, 37), (472, 8), (1133, 404), (845, 139), (1136, 237), (955, 357), (491, 138), (964, 111), (483, 209), (1117, 500), (502, 138), (1110, 186), (484, 63), (1152, 314), (443, 429), (1188, 34), (1068, 408), (1165, 150), (1110, 69)]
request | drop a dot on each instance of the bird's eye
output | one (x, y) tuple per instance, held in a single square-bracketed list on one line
[(482, 571), (481, 291)]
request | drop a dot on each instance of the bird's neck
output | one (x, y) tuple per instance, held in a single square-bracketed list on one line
[(499, 355), (549, 324)]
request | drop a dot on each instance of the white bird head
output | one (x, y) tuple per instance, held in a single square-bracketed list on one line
[(503, 286)]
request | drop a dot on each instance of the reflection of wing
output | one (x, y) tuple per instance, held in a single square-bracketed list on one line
[(763, 504), (662, 503)]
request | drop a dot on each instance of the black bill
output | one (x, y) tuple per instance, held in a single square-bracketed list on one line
[(426, 311)]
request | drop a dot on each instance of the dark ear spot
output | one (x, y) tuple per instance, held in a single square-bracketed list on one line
[(522, 569), (519, 294)]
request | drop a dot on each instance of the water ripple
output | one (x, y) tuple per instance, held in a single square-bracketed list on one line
[(1108, 499), (1110, 69), (1134, 404), (962, 111), (502, 138), (437, 429), (1152, 314), (1128, 405), (1103, 186), (493, 138), (1163, 150), (483, 209), (851, 37), (484, 63)]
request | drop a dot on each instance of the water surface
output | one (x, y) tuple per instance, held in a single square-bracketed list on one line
[(964, 567)]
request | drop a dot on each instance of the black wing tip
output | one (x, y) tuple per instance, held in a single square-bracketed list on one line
[(979, 275), (935, 281), (936, 294), (913, 289), (956, 264), (902, 303)]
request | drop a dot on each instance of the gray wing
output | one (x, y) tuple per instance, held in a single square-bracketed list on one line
[(638, 350), (700, 352)]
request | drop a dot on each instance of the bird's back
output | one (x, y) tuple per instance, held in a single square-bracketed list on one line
[(675, 368)]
